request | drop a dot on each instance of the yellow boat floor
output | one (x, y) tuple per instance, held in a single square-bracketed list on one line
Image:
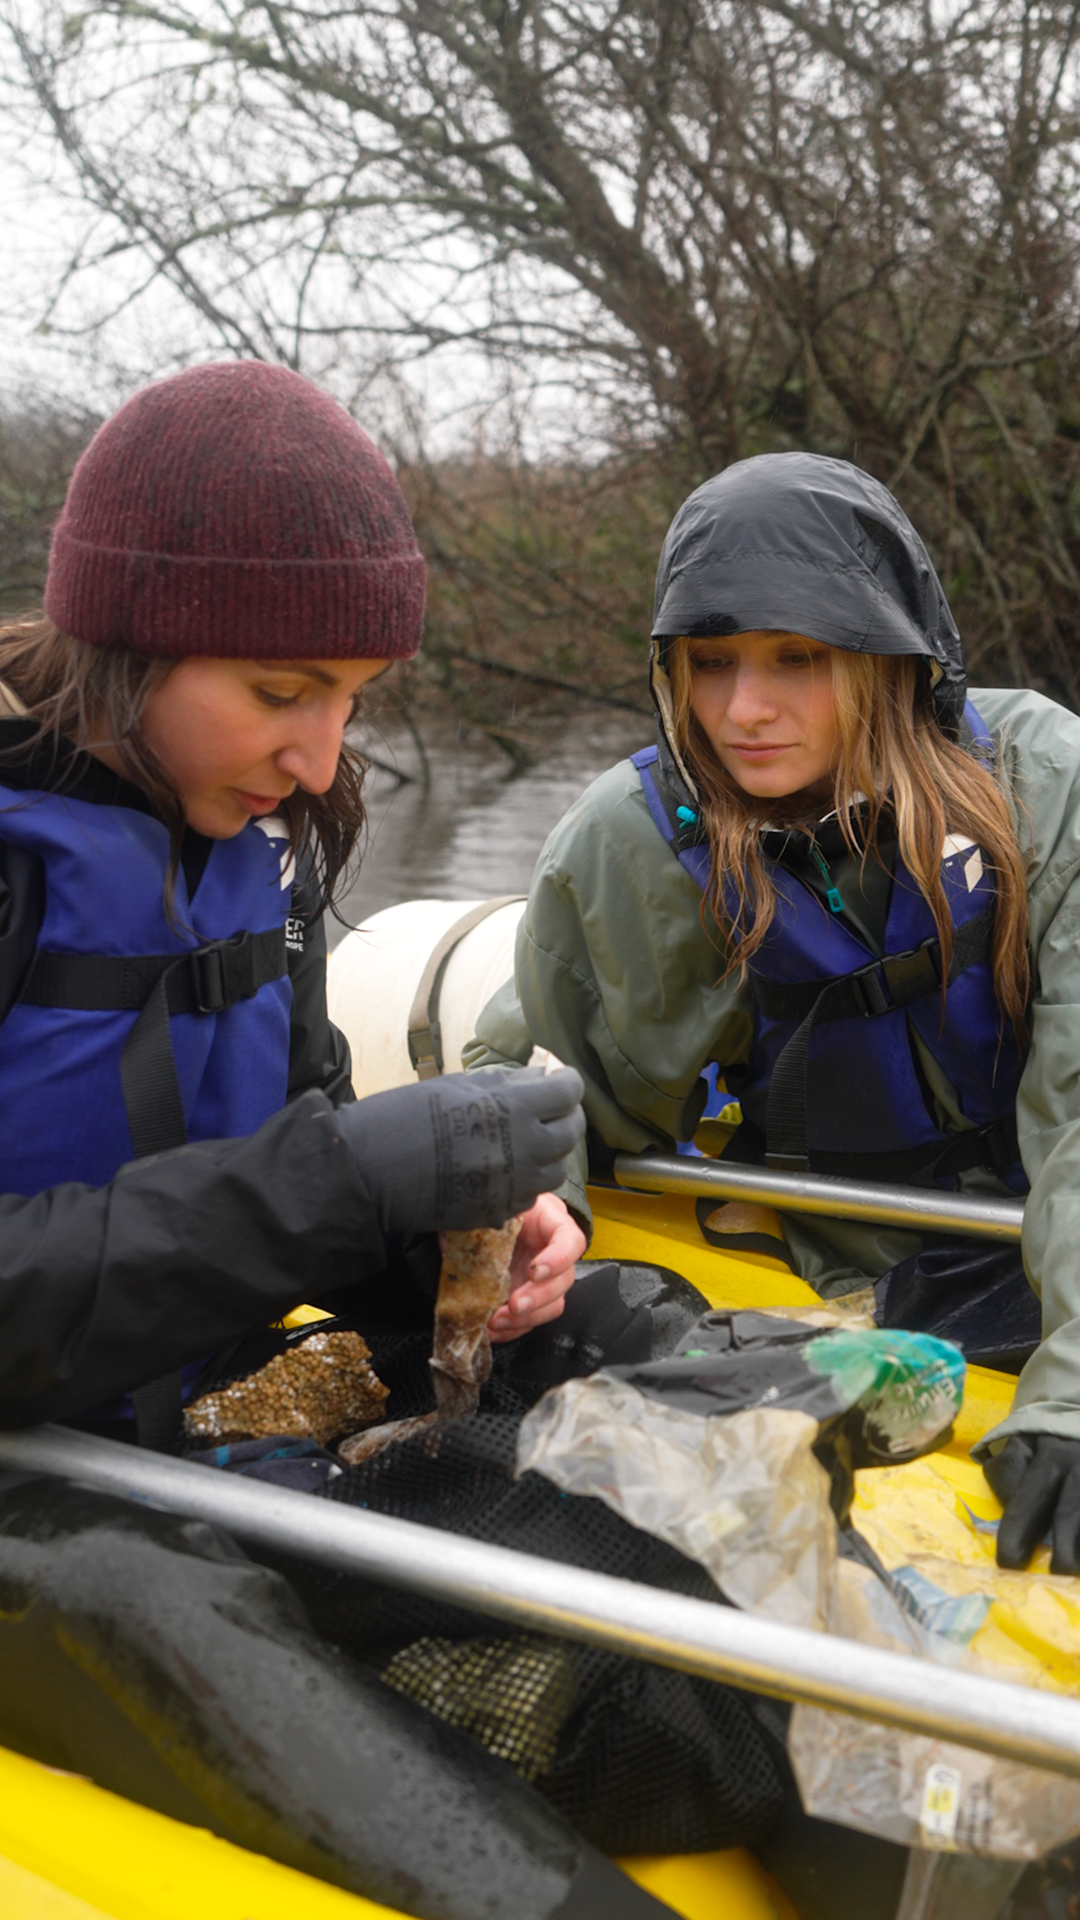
[(71, 1851)]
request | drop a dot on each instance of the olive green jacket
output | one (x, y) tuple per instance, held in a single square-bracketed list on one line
[(618, 974)]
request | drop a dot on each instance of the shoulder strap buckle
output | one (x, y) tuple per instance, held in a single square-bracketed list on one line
[(220, 973), (207, 967), (885, 985), (870, 991)]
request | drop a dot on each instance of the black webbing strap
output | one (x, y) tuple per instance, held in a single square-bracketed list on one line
[(884, 986), (155, 1107), (208, 979), (159, 1409), (994, 1146)]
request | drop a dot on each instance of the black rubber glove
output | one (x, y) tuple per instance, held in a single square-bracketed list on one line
[(1036, 1476), (465, 1150)]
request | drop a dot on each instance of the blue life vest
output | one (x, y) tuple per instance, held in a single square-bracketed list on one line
[(63, 1114), (832, 1082)]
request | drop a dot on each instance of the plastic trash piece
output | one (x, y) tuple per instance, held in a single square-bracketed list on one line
[(734, 1448), (927, 1793), (475, 1280), (740, 1493), (787, 1460)]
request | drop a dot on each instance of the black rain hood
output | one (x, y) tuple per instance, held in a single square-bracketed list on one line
[(796, 542)]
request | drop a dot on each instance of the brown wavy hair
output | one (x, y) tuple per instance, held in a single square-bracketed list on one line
[(69, 689), (893, 752)]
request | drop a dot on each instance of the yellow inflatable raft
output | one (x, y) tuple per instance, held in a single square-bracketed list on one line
[(70, 1851)]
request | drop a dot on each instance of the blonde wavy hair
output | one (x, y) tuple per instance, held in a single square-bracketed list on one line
[(893, 753)]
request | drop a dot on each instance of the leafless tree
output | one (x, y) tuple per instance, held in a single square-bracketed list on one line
[(701, 228), (39, 444)]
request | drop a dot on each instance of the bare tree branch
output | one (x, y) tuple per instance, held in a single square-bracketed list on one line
[(665, 231)]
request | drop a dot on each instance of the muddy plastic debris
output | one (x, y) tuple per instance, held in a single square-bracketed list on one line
[(475, 1281), (323, 1386), (364, 1446)]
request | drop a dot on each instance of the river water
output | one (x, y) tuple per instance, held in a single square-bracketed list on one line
[(475, 832)]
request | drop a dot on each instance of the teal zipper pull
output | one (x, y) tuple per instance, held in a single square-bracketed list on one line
[(832, 894)]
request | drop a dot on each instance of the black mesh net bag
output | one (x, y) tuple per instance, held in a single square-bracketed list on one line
[(642, 1760)]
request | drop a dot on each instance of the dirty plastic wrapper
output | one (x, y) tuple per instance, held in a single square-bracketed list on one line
[(718, 1449), (744, 1451), (928, 1793), (740, 1493), (933, 1528)]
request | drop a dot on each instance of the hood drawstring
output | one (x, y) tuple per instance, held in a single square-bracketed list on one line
[(832, 893)]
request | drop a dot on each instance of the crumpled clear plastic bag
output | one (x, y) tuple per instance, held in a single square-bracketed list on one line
[(744, 1451), (922, 1792), (740, 1493)]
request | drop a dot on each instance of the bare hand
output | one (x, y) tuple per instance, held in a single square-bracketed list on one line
[(542, 1270)]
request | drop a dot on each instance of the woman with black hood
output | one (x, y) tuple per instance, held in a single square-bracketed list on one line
[(855, 891)]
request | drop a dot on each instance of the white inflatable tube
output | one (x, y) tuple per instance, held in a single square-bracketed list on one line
[(372, 977)]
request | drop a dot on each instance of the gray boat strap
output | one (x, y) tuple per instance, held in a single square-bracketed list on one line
[(425, 1033)]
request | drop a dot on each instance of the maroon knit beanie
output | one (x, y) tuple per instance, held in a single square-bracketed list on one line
[(237, 510)]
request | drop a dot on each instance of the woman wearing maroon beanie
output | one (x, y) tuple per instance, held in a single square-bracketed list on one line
[(181, 1159)]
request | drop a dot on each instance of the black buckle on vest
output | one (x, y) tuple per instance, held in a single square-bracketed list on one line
[(223, 972), (208, 979), (888, 984)]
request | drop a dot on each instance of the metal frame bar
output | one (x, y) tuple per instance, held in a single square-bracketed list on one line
[(916, 1207), (717, 1642)]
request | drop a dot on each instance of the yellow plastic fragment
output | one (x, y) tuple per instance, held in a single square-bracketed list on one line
[(302, 1317)]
